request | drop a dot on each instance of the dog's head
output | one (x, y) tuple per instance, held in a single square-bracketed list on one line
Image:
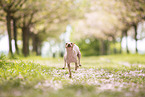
[(69, 45)]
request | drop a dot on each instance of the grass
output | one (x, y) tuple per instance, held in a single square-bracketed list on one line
[(99, 76)]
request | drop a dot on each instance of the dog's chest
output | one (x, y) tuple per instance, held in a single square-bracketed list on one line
[(71, 57)]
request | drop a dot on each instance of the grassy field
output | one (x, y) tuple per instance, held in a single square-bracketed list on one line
[(99, 76)]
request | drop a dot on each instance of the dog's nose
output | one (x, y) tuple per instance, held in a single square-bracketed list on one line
[(69, 45)]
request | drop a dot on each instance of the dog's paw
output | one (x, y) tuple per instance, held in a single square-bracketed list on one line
[(63, 68), (80, 65)]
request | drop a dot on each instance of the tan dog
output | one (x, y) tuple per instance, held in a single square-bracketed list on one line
[(71, 53)]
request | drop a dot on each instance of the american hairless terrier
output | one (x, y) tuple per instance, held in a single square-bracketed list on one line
[(71, 53)]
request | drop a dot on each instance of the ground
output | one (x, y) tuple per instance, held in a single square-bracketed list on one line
[(99, 76)]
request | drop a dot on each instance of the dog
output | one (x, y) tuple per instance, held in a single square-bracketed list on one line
[(71, 53)]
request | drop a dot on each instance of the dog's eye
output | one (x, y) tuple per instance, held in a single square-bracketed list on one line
[(71, 43), (65, 43)]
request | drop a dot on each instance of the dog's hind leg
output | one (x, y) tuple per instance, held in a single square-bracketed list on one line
[(76, 66), (69, 70), (79, 57)]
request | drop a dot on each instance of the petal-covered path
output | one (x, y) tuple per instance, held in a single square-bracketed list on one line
[(102, 74), (99, 76)]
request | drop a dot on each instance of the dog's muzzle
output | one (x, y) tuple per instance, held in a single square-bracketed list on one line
[(69, 45)]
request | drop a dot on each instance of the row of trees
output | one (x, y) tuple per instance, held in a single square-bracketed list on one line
[(108, 20), (133, 15), (37, 20)]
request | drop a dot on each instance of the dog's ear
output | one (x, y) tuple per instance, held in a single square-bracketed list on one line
[(73, 44)]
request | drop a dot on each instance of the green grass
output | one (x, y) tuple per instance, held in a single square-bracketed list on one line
[(99, 76)]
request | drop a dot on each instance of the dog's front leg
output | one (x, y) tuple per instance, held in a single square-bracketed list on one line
[(64, 63), (69, 70)]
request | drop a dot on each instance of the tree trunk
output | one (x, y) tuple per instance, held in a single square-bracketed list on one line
[(126, 41), (39, 45), (25, 36), (15, 35), (121, 42), (34, 42), (102, 47), (135, 29), (114, 46), (8, 18), (108, 47)]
